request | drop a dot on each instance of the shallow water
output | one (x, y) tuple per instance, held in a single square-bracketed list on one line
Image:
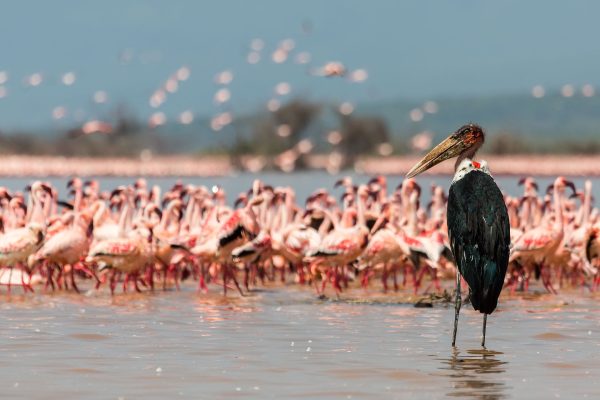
[(304, 183), (284, 343)]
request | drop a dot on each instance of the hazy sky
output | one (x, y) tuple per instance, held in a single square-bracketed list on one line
[(411, 49)]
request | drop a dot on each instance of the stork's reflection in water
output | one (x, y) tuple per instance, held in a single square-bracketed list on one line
[(476, 373)]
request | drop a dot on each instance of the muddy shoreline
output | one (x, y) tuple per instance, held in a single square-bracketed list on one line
[(186, 166)]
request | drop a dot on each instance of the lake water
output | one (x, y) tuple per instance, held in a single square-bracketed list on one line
[(304, 183), (282, 342)]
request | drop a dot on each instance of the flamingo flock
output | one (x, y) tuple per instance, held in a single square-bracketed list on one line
[(137, 238)]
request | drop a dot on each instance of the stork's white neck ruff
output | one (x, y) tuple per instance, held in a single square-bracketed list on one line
[(467, 165)]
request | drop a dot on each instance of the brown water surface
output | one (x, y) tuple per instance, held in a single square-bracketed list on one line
[(284, 343)]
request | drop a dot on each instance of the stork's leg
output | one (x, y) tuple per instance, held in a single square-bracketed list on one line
[(484, 324), (457, 304)]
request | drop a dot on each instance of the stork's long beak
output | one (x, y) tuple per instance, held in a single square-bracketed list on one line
[(452, 146)]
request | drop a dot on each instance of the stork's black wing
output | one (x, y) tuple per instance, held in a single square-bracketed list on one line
[(479, 233)]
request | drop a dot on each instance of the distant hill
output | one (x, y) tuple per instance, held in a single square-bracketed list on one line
[(544, 120), (550, 124), (553, 116)]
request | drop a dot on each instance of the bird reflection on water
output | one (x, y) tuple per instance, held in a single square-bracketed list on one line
[(477, 374)]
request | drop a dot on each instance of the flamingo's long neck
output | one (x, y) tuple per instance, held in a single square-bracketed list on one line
[(123, 218), (189, 211), (559, 220), (383, 194), (196, 215), (538, 212), (77, 205), (405, 200), (331, 217), (30, 207), (156, 195), (360, 206), (412, 215), (513, 217), (272, 218), (37, 214), (525, 216), (47, 210), (587, 203), (100, 214), (281, 221), (326, 224), (251, 212), (287, 210)]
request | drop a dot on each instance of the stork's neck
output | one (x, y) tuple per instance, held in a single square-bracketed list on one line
[(468, 154)]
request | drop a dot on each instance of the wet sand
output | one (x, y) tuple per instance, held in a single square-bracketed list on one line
[(179, 166), (204, 166), (284, 343)]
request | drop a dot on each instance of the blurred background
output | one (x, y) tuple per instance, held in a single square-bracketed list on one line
[(288, 85)]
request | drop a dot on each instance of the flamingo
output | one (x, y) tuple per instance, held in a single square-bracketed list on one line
[(343, 245), (385, 248), (540, 244), (18, 244)]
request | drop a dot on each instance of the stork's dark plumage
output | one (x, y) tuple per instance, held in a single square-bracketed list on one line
[(479, 233), (478, 224)]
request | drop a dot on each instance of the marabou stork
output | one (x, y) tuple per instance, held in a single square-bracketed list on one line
[(478, 224)]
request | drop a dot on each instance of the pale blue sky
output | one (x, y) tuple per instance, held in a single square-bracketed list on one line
[(411, 49)]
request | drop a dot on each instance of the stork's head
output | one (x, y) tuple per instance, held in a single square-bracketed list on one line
[(464, 142)]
